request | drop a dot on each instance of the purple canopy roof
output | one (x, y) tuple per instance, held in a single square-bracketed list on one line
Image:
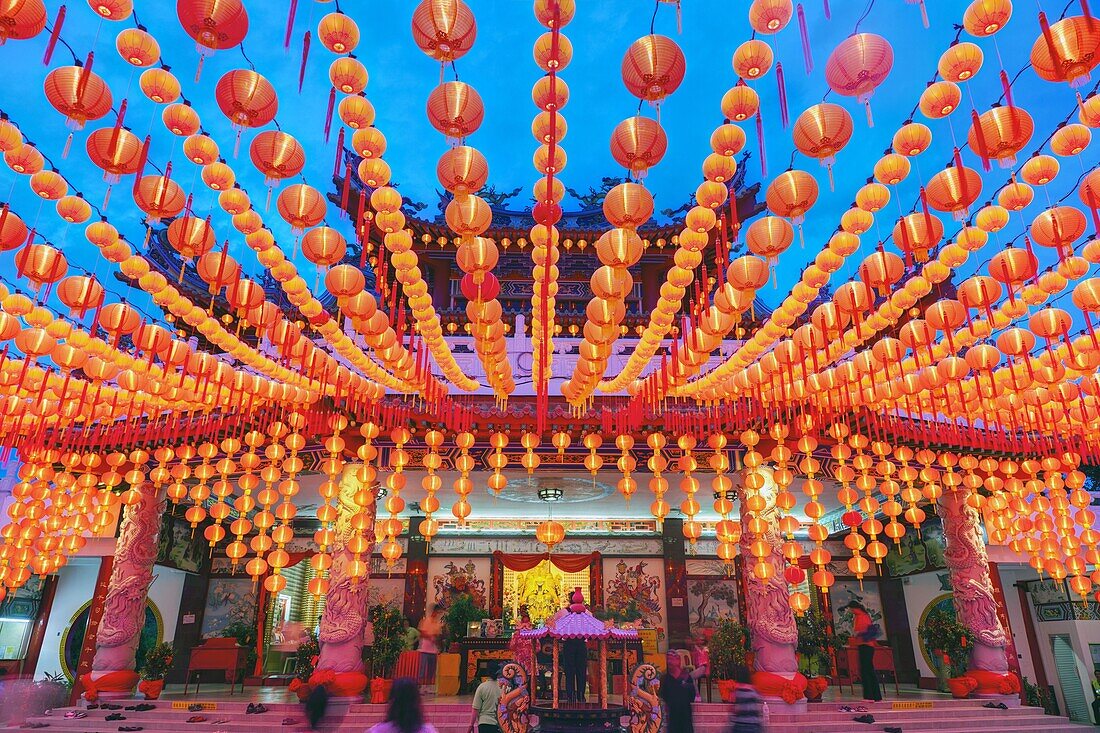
[(584, 625)]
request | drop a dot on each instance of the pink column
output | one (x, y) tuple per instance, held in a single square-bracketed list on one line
[(768, 613), (113, 674), (975, 603), (343, 624)]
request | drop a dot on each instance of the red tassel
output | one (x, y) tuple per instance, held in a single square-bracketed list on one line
[(290, 22), (1085, 10), (58, 22), (345, 190), (760, 142), (783, 116), (328, 114), (735, 221), (305, 57), (983, 149), (807, 54), (828, 13), (1007, 87)]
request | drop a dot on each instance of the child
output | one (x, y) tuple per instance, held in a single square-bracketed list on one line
[(748, 707)]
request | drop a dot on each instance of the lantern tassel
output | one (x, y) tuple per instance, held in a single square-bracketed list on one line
[(1007, 87), (828, 12), (290, 23), (783, 116), (58, 22), (760, 142), (807, 54), (328, 115), (983, 149), (68, 146), (305, 56)]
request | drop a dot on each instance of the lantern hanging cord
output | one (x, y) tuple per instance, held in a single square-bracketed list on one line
[(247, 60), (653, 19), (64, 43), (866, 12)]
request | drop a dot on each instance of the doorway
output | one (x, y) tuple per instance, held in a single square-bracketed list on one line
[(1069, 679)]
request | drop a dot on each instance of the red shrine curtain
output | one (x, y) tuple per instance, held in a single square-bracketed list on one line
[(519, 562)]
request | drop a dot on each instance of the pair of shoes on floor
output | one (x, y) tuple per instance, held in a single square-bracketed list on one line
[(35, 725), (195, 707), (290, 721), (76, 714), (110, 706), (892, 729), (197, 719), (845, 709), (996, 705), (115, 716), (864, 718), (141, 707), (255, 708), (130, 727)]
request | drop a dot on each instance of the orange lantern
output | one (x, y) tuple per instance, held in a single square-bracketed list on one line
[(200, 149), (916, 234), (960, 62), (740, 102), (462, 170), (1040, 170), (881, 269), (302, 206), (25, 159), (77, 93), (770, 16), (338, 33), (217, 269), (13, 232), (1016, 196), (21, 19), (324, 246), (1070, 140), (769, 237), (159, 197), (872, 197), (444, 29), (822, 131), (791, 194), (858, 65), (727, 140), (940, 99), (356, 112), (1067, 51), (214, 24), (247, 99), (137, 47), (985, 17), (638, 143), (1000, 133), (159, 85), (455, 109), (348, 75), (80, 294), (912, 139), (628, 205), (1059, 227), (191, 236), (891, 169), (752, 59), (180, 119), (116, 151), (41, 264), (653, 68), (277, 155), (954, 191)]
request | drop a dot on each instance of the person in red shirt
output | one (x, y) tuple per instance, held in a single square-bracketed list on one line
[(865, 632)]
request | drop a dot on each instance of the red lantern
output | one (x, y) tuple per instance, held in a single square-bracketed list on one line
[(653, 67), (858, 65), (444, 29), (638, 143)]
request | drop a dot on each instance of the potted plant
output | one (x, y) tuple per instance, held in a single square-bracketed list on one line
[(158, 661), (387, 647), (946, 639), (815, 649), (729, 645), (304, 664), (457, 618)]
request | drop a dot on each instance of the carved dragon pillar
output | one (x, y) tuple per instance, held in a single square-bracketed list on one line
[(113, 674), (975, 604), (340, 665), (772, 630)]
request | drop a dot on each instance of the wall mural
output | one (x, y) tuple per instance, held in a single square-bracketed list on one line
[(632, 590), (917, 554), (180, 546), (387, 592), (456, 579), (848, 592), (711, 598), (935, 662), (1052, 602), (229, 601)]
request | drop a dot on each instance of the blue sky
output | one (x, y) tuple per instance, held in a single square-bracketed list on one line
[(501, 68)]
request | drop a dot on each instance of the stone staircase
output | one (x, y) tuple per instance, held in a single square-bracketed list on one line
[(943, 716)]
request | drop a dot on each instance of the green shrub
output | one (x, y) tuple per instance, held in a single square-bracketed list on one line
[(815, 643), (158, 661), (389, 641), (728, 647), (944, 636), (458, 616)]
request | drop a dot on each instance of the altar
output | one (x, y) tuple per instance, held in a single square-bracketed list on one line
[(478, 653), (535, 585)]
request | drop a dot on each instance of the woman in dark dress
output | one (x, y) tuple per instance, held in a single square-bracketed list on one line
[(678, 693), (864, 633)]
